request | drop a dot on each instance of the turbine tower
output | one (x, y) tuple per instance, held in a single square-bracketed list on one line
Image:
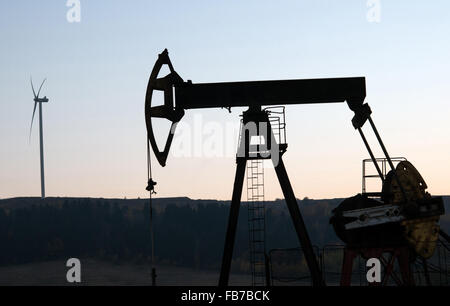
[(41, 136)]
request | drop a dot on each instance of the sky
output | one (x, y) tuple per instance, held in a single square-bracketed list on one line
[(97, 71)]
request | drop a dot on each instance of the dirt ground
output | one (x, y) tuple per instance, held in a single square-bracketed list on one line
[(101, 273)]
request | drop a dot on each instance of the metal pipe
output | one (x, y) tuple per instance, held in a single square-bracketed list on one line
[(232, 222), (363, 177), (444, 235), (381, 143), (299, 224), (387, 157), (372, 157)]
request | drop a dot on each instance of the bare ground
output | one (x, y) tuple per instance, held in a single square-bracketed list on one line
[(101, 273)]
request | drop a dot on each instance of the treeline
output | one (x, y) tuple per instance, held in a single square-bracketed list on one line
[(187, 232)]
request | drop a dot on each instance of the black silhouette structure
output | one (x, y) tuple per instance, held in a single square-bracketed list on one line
[(180, 96), (38, 100)]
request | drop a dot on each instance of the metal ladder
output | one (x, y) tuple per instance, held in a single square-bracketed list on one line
[(256, 221)]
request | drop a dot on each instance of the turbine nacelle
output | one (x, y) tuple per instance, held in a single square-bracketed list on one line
[(39, 100), (36, 100)]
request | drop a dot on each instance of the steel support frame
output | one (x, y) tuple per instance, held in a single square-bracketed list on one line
[(291, 202), (401, 254), (386, 154)]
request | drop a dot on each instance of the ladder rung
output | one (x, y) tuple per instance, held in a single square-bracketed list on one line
[(258, 262), (256, 218)]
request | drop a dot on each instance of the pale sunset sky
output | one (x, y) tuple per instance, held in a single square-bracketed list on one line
[(97, 72)]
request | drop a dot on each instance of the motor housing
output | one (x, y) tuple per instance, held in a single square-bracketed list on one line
[(396, 218)]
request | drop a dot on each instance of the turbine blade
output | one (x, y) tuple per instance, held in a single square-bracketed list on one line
[(31, 126), (32, 87), (39, 91)]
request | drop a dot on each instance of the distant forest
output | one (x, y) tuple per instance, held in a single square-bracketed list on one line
[(188, 232)]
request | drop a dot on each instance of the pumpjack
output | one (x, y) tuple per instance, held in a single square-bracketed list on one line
[(403, 212)]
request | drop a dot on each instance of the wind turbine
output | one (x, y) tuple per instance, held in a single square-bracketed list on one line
[(41, 136)]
